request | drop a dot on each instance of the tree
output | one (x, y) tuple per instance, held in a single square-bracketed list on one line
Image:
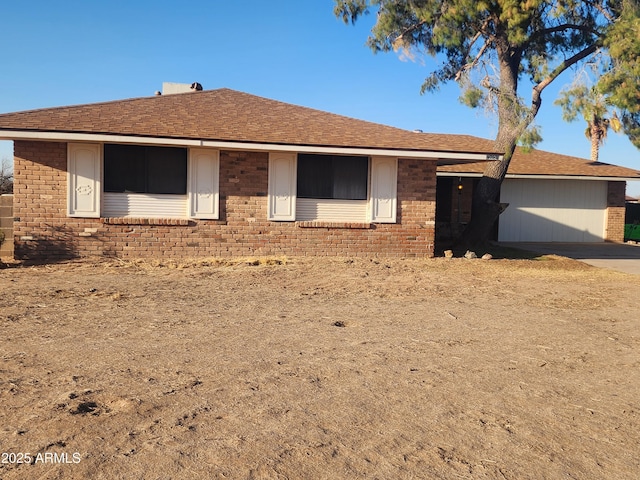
[(490, 47), (622, 79), (6, 177), (595, 108)]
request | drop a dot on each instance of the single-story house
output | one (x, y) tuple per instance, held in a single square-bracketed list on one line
[(221, 172), (551, 197)]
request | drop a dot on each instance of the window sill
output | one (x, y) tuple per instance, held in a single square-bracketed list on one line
[(325, 224), (146, 221)]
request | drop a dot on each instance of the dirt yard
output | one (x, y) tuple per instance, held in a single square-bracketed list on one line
[(320, 369)]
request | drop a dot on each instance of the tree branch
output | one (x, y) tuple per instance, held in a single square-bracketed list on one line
[(600, 7), (564, 66), (489, 40), (561, 28), (536, 100), (475, 61), (399, 40)]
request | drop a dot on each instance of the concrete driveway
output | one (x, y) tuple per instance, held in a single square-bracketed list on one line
[(615, 256)]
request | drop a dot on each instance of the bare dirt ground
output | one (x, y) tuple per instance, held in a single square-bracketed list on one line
[(320, 369)]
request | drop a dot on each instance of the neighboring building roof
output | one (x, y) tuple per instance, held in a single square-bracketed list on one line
[(538, 163), (227, 116)]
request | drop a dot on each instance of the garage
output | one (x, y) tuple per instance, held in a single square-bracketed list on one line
[(552, 197), (543, 210)]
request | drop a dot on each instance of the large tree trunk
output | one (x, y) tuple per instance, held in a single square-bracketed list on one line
[(513, 121), (486, 208)]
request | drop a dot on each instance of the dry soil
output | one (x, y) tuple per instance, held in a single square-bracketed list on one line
[(319, 369)]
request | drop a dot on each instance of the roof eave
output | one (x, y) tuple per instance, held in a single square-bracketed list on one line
[(543, 177), (7, 134)]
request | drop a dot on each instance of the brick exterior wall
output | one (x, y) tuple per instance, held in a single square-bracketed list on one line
[(42, 231), (614, 222)]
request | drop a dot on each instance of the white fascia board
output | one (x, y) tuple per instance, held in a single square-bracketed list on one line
[(574, 177), (542, 177), (245, 146), (94, 137), (423, 154)]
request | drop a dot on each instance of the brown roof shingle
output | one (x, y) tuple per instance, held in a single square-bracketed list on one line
[(539, 162), (229, 115)]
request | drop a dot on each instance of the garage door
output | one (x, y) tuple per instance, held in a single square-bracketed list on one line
[(553, 211)]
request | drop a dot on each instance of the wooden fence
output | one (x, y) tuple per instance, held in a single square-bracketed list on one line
[(6, 225)]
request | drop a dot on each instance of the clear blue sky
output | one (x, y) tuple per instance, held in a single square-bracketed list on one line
[(72, 52)]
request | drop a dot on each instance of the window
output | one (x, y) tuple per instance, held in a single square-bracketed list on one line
[(332, 188), (140, 182), (145, 169), (332, 177)]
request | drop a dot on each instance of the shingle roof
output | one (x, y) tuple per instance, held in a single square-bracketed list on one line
[(228, 115), (539, 162)]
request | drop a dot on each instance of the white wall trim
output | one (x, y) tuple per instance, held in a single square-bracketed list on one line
[(96, 137), (246, 146), (544, 177)]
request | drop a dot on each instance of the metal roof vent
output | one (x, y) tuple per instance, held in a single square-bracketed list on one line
[(169, 88)]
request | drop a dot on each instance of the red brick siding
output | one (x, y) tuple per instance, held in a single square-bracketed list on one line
[(614, 222), (43, 231)]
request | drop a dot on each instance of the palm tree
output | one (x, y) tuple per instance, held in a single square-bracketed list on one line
[(595, 109)]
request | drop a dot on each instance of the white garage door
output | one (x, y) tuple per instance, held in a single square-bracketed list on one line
[(553, 211)]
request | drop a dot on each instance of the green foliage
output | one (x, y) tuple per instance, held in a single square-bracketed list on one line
[(596, 109), (621, 82), (472, 96), (583, 100), (631, 125), (530, 138), (350, 10), (491, 47), (512, 40), (572, 101)]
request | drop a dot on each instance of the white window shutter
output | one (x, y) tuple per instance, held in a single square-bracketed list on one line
[(384, 183), (83, 180), (282, 187), (204, 196)]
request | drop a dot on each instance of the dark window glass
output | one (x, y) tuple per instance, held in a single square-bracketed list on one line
[(138, 169), (332, 176), (315, 176), (444, 200)]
